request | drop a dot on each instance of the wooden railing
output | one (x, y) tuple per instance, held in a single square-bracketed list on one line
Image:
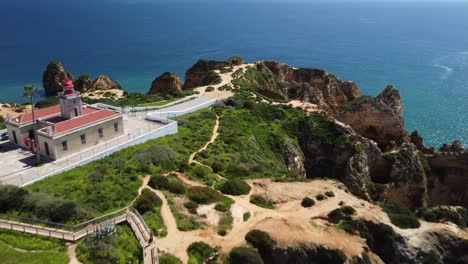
[(73, 233)]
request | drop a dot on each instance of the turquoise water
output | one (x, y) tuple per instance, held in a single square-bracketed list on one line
[(422, 48)]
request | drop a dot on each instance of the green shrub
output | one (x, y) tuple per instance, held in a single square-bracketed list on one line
[(211, 78), (348, 210), (307, 202), (236, 60), (166, 258), (203, 195), (259, 200), (432, 258), (147, 201), (347, 226), (260, 240), (440, 214), (330, 194), (221, 207), (176, 186), (159, 182), (209, 89), (225, 223), (235, 187), (199, 252), (243, 255), (401, 216), (11, 198), (320, 197), (335, 216), (191, 207), (246, 216)]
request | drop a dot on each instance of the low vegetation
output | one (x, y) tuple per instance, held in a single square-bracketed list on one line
[(342, 213), (110, 246), (31, 242), (211, 78), (203, 195), (307, 202), (235, 187), (184, 222), (166, 258), (200, 252), (9, 255), (169, 183), (320, 197), (225, 223), (401, 216), (149, 205), (246, 216), (261, 201)]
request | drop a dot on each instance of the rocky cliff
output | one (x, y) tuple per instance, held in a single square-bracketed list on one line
[(84, 83), (310, 85), (196, 74), (166, 83), (54, 76), (379, 119)]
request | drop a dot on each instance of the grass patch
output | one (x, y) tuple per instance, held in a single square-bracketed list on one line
[(31, 242), (225, 223), (203, 195), (261, 201), (119, 247), (11, 256)]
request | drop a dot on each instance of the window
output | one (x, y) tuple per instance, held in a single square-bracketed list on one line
[(101, 132), (64, 145), (76, 112), (14, 137), (116, 127), (46, 147), (83, 139)]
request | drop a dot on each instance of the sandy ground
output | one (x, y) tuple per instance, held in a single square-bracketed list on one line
[(226, 79), (6, 109), (71, 251), (116, 94)]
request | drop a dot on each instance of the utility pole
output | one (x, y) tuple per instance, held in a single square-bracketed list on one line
[(30, 91)]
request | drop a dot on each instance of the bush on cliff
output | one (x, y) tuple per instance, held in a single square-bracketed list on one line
[(211, 78), (243, 255), (401, 216), (307, 202), (457, 216), (260, 240), (261, 201), (235, 187)]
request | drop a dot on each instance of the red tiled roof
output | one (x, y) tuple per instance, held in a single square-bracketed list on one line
[(41, 113), (83, 120)]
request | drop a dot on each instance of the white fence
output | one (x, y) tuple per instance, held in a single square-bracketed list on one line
[(128, 109), (176, 113)]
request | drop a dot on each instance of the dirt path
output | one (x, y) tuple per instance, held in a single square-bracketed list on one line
[(143, 186), (71, 251), (212, 139)]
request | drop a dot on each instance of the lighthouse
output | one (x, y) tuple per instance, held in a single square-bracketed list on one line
[(70, 101)]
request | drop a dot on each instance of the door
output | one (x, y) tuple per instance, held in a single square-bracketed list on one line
[(46, 147)]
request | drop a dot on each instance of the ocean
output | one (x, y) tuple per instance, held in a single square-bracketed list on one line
[(420, 47)]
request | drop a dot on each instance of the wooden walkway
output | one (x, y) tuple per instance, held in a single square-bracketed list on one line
[(129, 214)]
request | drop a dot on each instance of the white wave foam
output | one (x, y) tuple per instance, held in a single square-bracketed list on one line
[(446, 68)]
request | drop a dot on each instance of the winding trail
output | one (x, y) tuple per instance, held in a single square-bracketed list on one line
[(212, 140), (71, 251)]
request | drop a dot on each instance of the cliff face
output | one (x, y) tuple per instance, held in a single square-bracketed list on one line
[(84, 83), (53, 77), (166, 83), (196, 74), (448, 179), (379, 119), (311, 85)]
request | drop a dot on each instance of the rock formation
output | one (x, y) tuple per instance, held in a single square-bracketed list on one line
[(103, 83), (418, 141), (311, 85), (378, 118), (84, 83), (293, 158), (197, 73), (53, 77), (168, 82)]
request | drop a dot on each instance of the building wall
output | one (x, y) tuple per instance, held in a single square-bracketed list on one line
[(73, 139)]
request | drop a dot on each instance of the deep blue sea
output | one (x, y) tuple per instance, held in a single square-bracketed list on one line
[(422, 48)]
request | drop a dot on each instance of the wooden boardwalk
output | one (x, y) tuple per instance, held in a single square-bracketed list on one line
[(129, 214)]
